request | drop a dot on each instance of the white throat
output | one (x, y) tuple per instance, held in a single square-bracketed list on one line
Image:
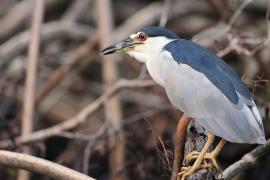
[(149, 53), (150, 49)]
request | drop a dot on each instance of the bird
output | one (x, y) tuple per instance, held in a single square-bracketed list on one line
[(200, 84)]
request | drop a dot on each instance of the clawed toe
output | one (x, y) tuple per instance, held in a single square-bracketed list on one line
[(209, 158), (186, 171), (191, 156)]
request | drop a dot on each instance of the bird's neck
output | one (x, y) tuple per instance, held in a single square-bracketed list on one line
[(155, 69), (150, 54)]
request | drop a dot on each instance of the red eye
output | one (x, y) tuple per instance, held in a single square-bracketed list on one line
[(142, 36)]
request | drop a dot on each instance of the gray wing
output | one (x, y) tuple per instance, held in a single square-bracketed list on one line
[(215, 69)]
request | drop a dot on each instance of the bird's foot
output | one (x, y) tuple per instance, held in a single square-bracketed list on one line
[(191, 156), (186, 171), (209, 158)]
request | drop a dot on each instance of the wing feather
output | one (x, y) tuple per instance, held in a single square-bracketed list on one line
[(195, 94), (215, 69)]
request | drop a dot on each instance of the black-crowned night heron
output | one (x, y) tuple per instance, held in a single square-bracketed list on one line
[(201, 85)]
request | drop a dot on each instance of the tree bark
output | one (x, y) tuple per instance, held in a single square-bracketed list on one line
[(195, 140)]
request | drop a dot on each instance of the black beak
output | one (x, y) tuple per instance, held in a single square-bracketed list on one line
[(122, 46), (109, 50)]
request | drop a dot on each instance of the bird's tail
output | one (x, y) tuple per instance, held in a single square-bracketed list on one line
[(257, 117)]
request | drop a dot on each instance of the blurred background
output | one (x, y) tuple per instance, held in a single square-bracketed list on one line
[(129, 136)]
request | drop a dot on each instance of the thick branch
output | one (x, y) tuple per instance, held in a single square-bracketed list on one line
[(112, 107), (248, 161), (29, 92), (41, 166), (180, 136), (195, 141)]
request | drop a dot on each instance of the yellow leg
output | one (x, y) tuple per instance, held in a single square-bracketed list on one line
[(210, 156), (198, 162), (218, 148)]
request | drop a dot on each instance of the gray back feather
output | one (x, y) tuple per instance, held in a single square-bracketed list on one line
[(215, 69)]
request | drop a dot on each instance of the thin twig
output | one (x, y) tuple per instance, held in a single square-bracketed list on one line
[(76, 9), (268, 21), (52, 31), (219, 7), (91, 142), (155, 133), (209, 36), (165, 12), (19, 14), (80, 117), (238, 12), (126, 121), (83, 51), (41, 166)]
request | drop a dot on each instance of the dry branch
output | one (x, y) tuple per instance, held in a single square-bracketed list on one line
[(113, 113), (221, 10), (80, 117), (195, 141), (41, 166), (32, 62), (50, 32), (83, 51), (31, 74), (165, 13), (14, 20), (179, 145), (76, 10), (152, 13), (248, 161)]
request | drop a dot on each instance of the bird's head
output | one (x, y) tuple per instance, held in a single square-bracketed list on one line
[(143, 44)]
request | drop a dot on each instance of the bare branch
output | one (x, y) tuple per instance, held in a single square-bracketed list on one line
[(101, 133), (50, 31), (41, 166), (84, 50), (33, 55), (80, 117), (19, 14), (248, 161), (179, 145), (76, 9), (31, 74), (165, 12), (238, 12), (113, 111), (268, 21), (219, 7), (91, 142)]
